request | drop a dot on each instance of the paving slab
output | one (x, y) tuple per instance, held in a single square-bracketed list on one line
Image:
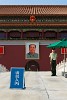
[(39, 86)]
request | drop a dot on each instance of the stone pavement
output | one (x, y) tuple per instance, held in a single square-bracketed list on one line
[(39, 86)]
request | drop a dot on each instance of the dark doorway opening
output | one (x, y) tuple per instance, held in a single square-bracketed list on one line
[(32, 65)]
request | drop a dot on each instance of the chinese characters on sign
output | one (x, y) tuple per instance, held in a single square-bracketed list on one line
[(1, 49), (63, 50), (17, 78)]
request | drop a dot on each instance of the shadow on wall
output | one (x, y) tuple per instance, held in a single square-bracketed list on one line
[(32, 65)]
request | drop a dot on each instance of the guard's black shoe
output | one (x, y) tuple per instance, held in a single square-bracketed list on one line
[(53, 75)]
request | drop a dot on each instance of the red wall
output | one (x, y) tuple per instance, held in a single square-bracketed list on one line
[(14, 56)]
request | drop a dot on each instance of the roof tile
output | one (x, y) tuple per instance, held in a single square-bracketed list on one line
[(33, 9)]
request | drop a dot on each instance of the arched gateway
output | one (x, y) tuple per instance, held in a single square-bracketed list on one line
[(32, 65)]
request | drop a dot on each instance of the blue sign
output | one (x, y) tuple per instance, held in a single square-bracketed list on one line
[(17, 78)]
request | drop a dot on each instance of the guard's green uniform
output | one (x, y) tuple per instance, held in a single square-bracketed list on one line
[(53, 57)]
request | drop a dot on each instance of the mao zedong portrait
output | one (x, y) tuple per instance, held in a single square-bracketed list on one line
[(32, 51)]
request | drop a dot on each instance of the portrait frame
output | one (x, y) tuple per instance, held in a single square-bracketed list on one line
[(27, 49)]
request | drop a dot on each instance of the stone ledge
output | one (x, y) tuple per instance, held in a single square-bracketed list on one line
[(65, 75)]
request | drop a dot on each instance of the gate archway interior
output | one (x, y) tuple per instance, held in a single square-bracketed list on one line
[(32, 65)]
